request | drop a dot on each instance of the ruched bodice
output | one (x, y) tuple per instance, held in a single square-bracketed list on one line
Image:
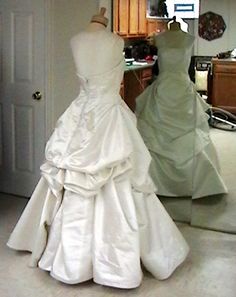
[(80, 137)]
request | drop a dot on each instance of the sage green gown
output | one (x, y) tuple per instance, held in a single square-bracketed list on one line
[(173, 123)]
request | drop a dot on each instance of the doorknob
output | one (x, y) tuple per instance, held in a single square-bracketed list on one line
[(37, 95)]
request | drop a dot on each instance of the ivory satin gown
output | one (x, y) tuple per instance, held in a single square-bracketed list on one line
[(174, 125), (94, 214)]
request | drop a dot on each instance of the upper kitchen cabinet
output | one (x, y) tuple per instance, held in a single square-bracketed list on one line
[(129, 18), (156, 26)]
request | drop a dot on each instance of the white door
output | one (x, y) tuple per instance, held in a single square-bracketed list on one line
[(22, 72)]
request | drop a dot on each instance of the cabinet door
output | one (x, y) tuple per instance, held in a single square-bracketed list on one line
[(146, 82), (121, 17), (224, 91), (156, 26), (129, 17), (151, 27), (146, 77), (133, 87), (133, 17), (134, 84), (142, 17), (122, 90)]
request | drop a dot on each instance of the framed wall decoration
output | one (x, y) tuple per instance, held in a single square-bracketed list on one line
[(211, 26)]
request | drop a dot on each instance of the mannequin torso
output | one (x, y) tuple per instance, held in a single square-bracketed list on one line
[(174, 37), (94, 27), (174, 50), (96, 50)]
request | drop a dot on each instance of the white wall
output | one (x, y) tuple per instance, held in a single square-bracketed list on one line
[(227, 9), (108, 5), (68, 18)]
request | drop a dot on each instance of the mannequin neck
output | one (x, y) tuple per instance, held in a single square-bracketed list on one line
[(175, 26), (94, 26)]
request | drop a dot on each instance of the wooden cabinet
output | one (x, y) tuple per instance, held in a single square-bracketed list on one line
[(135, 81), (129, 18), (156, 26), (223, 92), (142, 29), (121, 17), (122, 89)]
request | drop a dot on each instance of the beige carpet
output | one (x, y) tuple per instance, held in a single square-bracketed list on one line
[(209, 270), (219, 212), (214, 212)]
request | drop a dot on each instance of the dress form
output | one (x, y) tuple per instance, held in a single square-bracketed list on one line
[(94, 214), (98, 21), (177, 24), (175, 36), (96, 50), (95, 27), (172, 120), (174, 25)]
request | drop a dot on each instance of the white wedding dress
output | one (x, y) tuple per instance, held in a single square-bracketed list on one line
[(173, 123), (94, 214)]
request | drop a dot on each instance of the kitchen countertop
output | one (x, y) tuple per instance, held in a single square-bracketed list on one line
[(138, 67)]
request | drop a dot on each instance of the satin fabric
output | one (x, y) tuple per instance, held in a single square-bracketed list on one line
[(94, 214), (173, 123)]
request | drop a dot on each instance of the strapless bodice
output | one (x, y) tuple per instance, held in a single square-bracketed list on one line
[(98, 86), (174, 60), (174, 51)]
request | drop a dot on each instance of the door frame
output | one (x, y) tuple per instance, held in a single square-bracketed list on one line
[(49, 111)]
